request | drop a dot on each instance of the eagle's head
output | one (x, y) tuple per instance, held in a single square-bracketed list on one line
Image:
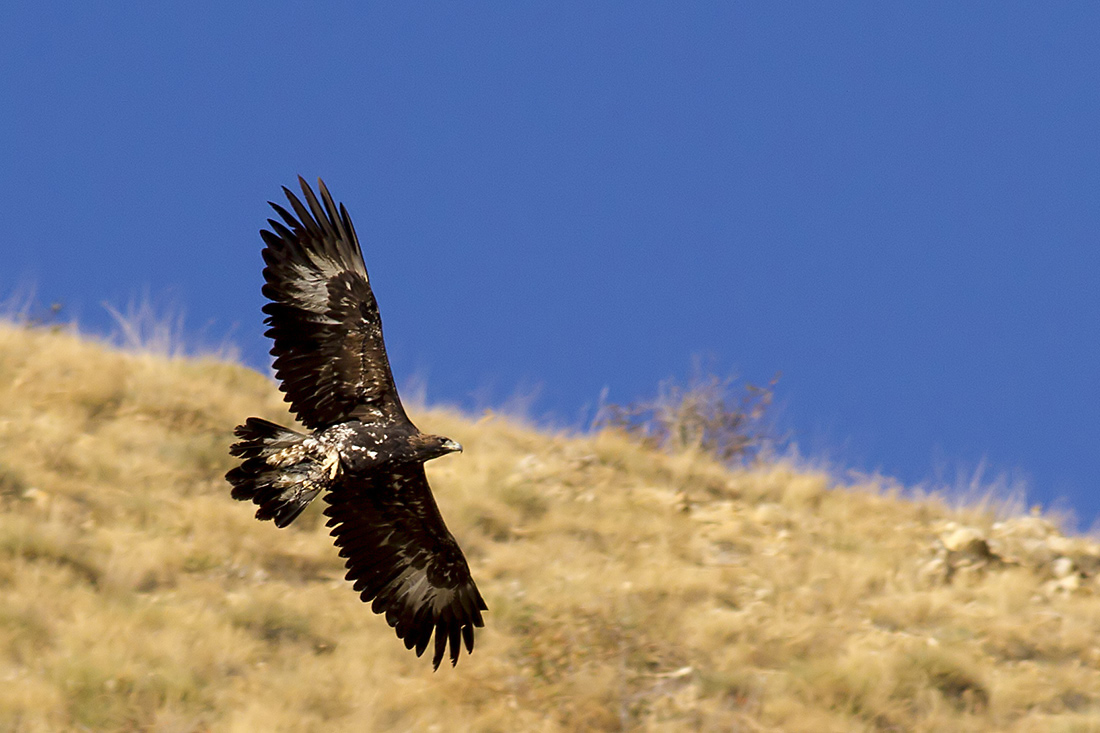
[(434, 446)]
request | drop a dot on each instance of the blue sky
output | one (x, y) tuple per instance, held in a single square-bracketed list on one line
[(895, 205)]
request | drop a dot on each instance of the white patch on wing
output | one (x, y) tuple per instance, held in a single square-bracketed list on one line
[(442, 598), (414, 591), (309, 288), (373, 412)]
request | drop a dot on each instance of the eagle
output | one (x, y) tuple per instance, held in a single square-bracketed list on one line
[(358, 447)]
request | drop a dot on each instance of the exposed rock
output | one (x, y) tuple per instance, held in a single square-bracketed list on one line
[(1030, 542), (960, 551), (1063, 567), (966, 540)]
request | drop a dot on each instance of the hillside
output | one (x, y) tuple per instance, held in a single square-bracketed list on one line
[(627, 589)]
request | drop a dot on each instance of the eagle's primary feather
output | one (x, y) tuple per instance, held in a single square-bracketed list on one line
[(362, 452)]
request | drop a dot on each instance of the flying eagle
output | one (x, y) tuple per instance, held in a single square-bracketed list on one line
[(361, 450)]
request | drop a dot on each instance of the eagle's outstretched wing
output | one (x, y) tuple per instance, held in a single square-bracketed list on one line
[(329, 354), (402, 557)]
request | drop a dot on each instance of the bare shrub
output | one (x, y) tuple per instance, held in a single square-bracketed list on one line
[(703, 415)]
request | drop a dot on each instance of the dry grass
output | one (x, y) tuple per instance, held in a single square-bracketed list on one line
[(628, 588)]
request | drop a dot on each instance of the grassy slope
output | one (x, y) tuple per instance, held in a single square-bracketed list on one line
[(627, 589)]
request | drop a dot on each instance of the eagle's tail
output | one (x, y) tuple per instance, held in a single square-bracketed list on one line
[(277, 471)]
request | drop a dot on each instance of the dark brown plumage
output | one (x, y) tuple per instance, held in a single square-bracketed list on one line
[(362, 450)]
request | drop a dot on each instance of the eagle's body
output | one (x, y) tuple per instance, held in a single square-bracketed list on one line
[(363, 452)]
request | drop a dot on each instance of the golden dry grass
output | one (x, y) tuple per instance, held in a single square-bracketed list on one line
[(628, 589)]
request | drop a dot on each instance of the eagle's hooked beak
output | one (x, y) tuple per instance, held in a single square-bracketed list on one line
[(452, 446)]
